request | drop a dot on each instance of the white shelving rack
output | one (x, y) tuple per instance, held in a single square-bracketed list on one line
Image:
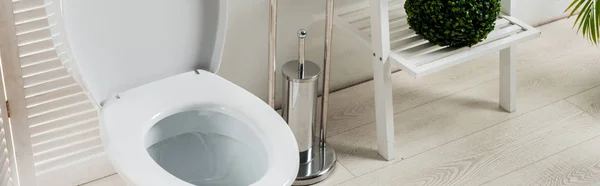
[(383, 25)]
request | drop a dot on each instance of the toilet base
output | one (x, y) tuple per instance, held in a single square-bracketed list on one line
[(321, 166)]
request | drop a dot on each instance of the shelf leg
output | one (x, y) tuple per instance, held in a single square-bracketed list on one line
[(508, 79), (384, 108), (382, 74)]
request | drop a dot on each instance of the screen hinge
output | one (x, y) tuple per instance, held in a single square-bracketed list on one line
[(7, 109)]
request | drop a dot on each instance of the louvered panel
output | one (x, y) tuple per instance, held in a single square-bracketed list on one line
[(7, 180), (32, 26), (35, 36), (59, 113), (41, 68), (73, 118), (66, 140), (5, 170), (4, 158), (46, 77), (48, 87), (30, 15), (51, 96), (58, 104), (19, 6), (3, 147), (66, 147), (63, 122), (51, 152), (5, 163), (36, 47), (5, 173), (68, 159), (64, 130), (41, 56)]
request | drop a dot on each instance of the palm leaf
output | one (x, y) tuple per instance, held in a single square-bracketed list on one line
[(597, 19), (574, 10), (580, 15), (588, 20)]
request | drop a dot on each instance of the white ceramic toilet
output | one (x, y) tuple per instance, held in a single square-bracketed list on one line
[(166, 118)]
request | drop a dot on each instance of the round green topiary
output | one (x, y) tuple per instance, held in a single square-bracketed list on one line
[(452, 22)]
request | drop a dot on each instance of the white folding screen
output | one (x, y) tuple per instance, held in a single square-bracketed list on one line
[(58, 133), (6, 171), (8, 174)]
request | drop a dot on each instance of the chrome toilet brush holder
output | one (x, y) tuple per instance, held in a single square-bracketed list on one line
[(300, 93), (317, 160)]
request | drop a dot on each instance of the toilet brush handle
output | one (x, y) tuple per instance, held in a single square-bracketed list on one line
[(301, 50)]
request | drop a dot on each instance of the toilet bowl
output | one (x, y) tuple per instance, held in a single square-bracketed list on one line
[(174, 129), (166, 118)]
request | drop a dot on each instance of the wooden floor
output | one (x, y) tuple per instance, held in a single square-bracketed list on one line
[(450, 131)]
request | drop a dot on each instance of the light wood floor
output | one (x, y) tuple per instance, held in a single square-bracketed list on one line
[(450, 131)]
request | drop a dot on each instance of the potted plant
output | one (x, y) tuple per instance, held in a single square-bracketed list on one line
[(453, 22)]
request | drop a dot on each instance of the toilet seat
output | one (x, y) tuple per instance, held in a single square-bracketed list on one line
[(131, 114)]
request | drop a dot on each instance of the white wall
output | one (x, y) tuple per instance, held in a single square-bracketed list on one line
[(245, 56), (537, 12)]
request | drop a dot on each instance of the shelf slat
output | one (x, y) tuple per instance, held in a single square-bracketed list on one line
[(493, 36)]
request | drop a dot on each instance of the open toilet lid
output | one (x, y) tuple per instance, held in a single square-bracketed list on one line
[(111, 46)]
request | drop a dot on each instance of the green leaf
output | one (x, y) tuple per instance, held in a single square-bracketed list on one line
[(584, 14), (576, 7), (584, 23), (597, 25), (571, 5), (593, 28), (588, 20), (581, 15)]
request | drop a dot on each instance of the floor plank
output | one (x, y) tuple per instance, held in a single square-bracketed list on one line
[(495, 151), (588, 101), (355, 107), (113, 180), (439, 122), (579, 165), (339, 175)]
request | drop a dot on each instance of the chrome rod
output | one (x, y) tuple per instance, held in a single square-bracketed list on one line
[(272, 50), (326, 69), (301, 50)]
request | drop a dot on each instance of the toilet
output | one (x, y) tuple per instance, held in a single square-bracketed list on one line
[(166, 118)]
